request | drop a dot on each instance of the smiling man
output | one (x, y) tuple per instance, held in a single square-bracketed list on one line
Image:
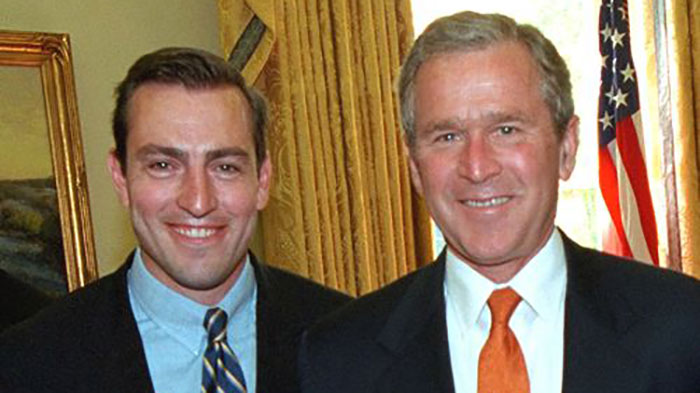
[(511, 305), (191, 310)]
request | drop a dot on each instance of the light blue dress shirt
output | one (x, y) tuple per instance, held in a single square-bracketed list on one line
[(173, 334)]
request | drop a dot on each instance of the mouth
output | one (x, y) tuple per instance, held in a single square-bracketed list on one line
[(195, 232), (488, 202)]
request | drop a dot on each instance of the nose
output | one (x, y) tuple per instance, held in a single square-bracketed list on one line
[(197, 194), (478, 160)]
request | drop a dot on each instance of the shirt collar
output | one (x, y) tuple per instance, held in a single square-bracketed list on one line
[(541, 283), (467, 289), (179, 316)]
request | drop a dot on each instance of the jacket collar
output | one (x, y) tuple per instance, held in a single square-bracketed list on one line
[(278, 329), (416, 334), (597, 319), (129, 359)]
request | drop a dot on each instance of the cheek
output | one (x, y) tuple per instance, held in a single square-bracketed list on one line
[(436, 169), (150, 197), (533, 164), (241, 200)]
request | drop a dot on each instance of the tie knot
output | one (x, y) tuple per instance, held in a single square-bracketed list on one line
[(215, 324), (502, 303)]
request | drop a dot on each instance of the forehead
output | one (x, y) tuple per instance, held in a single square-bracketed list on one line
[(509, 61), (177, 114), (499, 77), (154, 96)]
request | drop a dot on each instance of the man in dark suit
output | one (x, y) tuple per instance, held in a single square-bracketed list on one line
[(191, 309), (511, 304)]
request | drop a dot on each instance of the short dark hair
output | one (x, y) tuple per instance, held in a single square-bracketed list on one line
[(470, 31), (192, 69)]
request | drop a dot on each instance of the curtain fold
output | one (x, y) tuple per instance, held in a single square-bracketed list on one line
[(342, 210), (684, 49)]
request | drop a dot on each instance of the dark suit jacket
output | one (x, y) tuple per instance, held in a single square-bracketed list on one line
[(89, 342), (628, 328), (18, 301)]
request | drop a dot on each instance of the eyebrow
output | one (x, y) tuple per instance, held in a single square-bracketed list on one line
[(458, 123), (151, 149), (446, 124), (227, 152), (506, 117)]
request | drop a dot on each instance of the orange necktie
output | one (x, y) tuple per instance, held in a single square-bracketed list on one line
[(501, 362)]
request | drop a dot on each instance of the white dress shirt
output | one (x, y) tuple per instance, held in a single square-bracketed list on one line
[(172, 328), (538, 321)]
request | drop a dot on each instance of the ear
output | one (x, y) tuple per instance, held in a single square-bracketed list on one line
[(413, 168), (264, 180), (568, 145), (118, 178)]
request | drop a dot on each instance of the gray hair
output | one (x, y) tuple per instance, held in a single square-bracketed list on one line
[(470, 31)]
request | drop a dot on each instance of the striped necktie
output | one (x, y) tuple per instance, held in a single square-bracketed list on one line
[(222, 373)]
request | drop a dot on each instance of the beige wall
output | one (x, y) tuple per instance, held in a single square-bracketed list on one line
[(107, 37)]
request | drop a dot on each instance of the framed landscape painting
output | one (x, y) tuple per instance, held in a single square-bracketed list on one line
[(46, 235)]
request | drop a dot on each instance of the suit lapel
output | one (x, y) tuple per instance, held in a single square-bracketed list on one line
[(595, 358), (276, 335), (416, 335), (129, 358)]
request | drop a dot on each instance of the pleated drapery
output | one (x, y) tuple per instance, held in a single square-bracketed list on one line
[(682, 30), (342, 210), (671, 52)]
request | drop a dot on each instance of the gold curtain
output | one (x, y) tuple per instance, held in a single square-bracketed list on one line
[(342, 210), (683, 29)]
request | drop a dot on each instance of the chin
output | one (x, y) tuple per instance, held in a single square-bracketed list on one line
[(203, 284), (484, 254)]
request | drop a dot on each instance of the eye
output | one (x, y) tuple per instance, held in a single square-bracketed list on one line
[(160, 168), (446, 137), (506, 130), (228, 168), (160, 165)]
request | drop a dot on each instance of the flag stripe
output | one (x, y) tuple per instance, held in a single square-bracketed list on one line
[(633, 160), (631, 219), (607, 178)]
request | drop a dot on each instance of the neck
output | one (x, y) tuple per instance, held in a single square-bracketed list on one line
[(501, 271)]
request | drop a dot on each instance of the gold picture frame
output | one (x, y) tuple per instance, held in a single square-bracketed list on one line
[(50, 55)]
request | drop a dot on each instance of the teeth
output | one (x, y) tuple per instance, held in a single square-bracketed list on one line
[(195, 232), (488, 202)]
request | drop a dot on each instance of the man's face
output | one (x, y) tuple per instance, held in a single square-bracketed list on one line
[(191, 185), (487, 158)]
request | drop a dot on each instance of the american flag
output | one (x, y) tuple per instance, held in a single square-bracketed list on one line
[(622, 171)]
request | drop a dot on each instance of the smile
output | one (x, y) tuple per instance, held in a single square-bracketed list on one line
[(487, 202), (196, 233)]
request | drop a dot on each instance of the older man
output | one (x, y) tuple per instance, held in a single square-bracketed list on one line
[(191, 310), (512, 305)]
